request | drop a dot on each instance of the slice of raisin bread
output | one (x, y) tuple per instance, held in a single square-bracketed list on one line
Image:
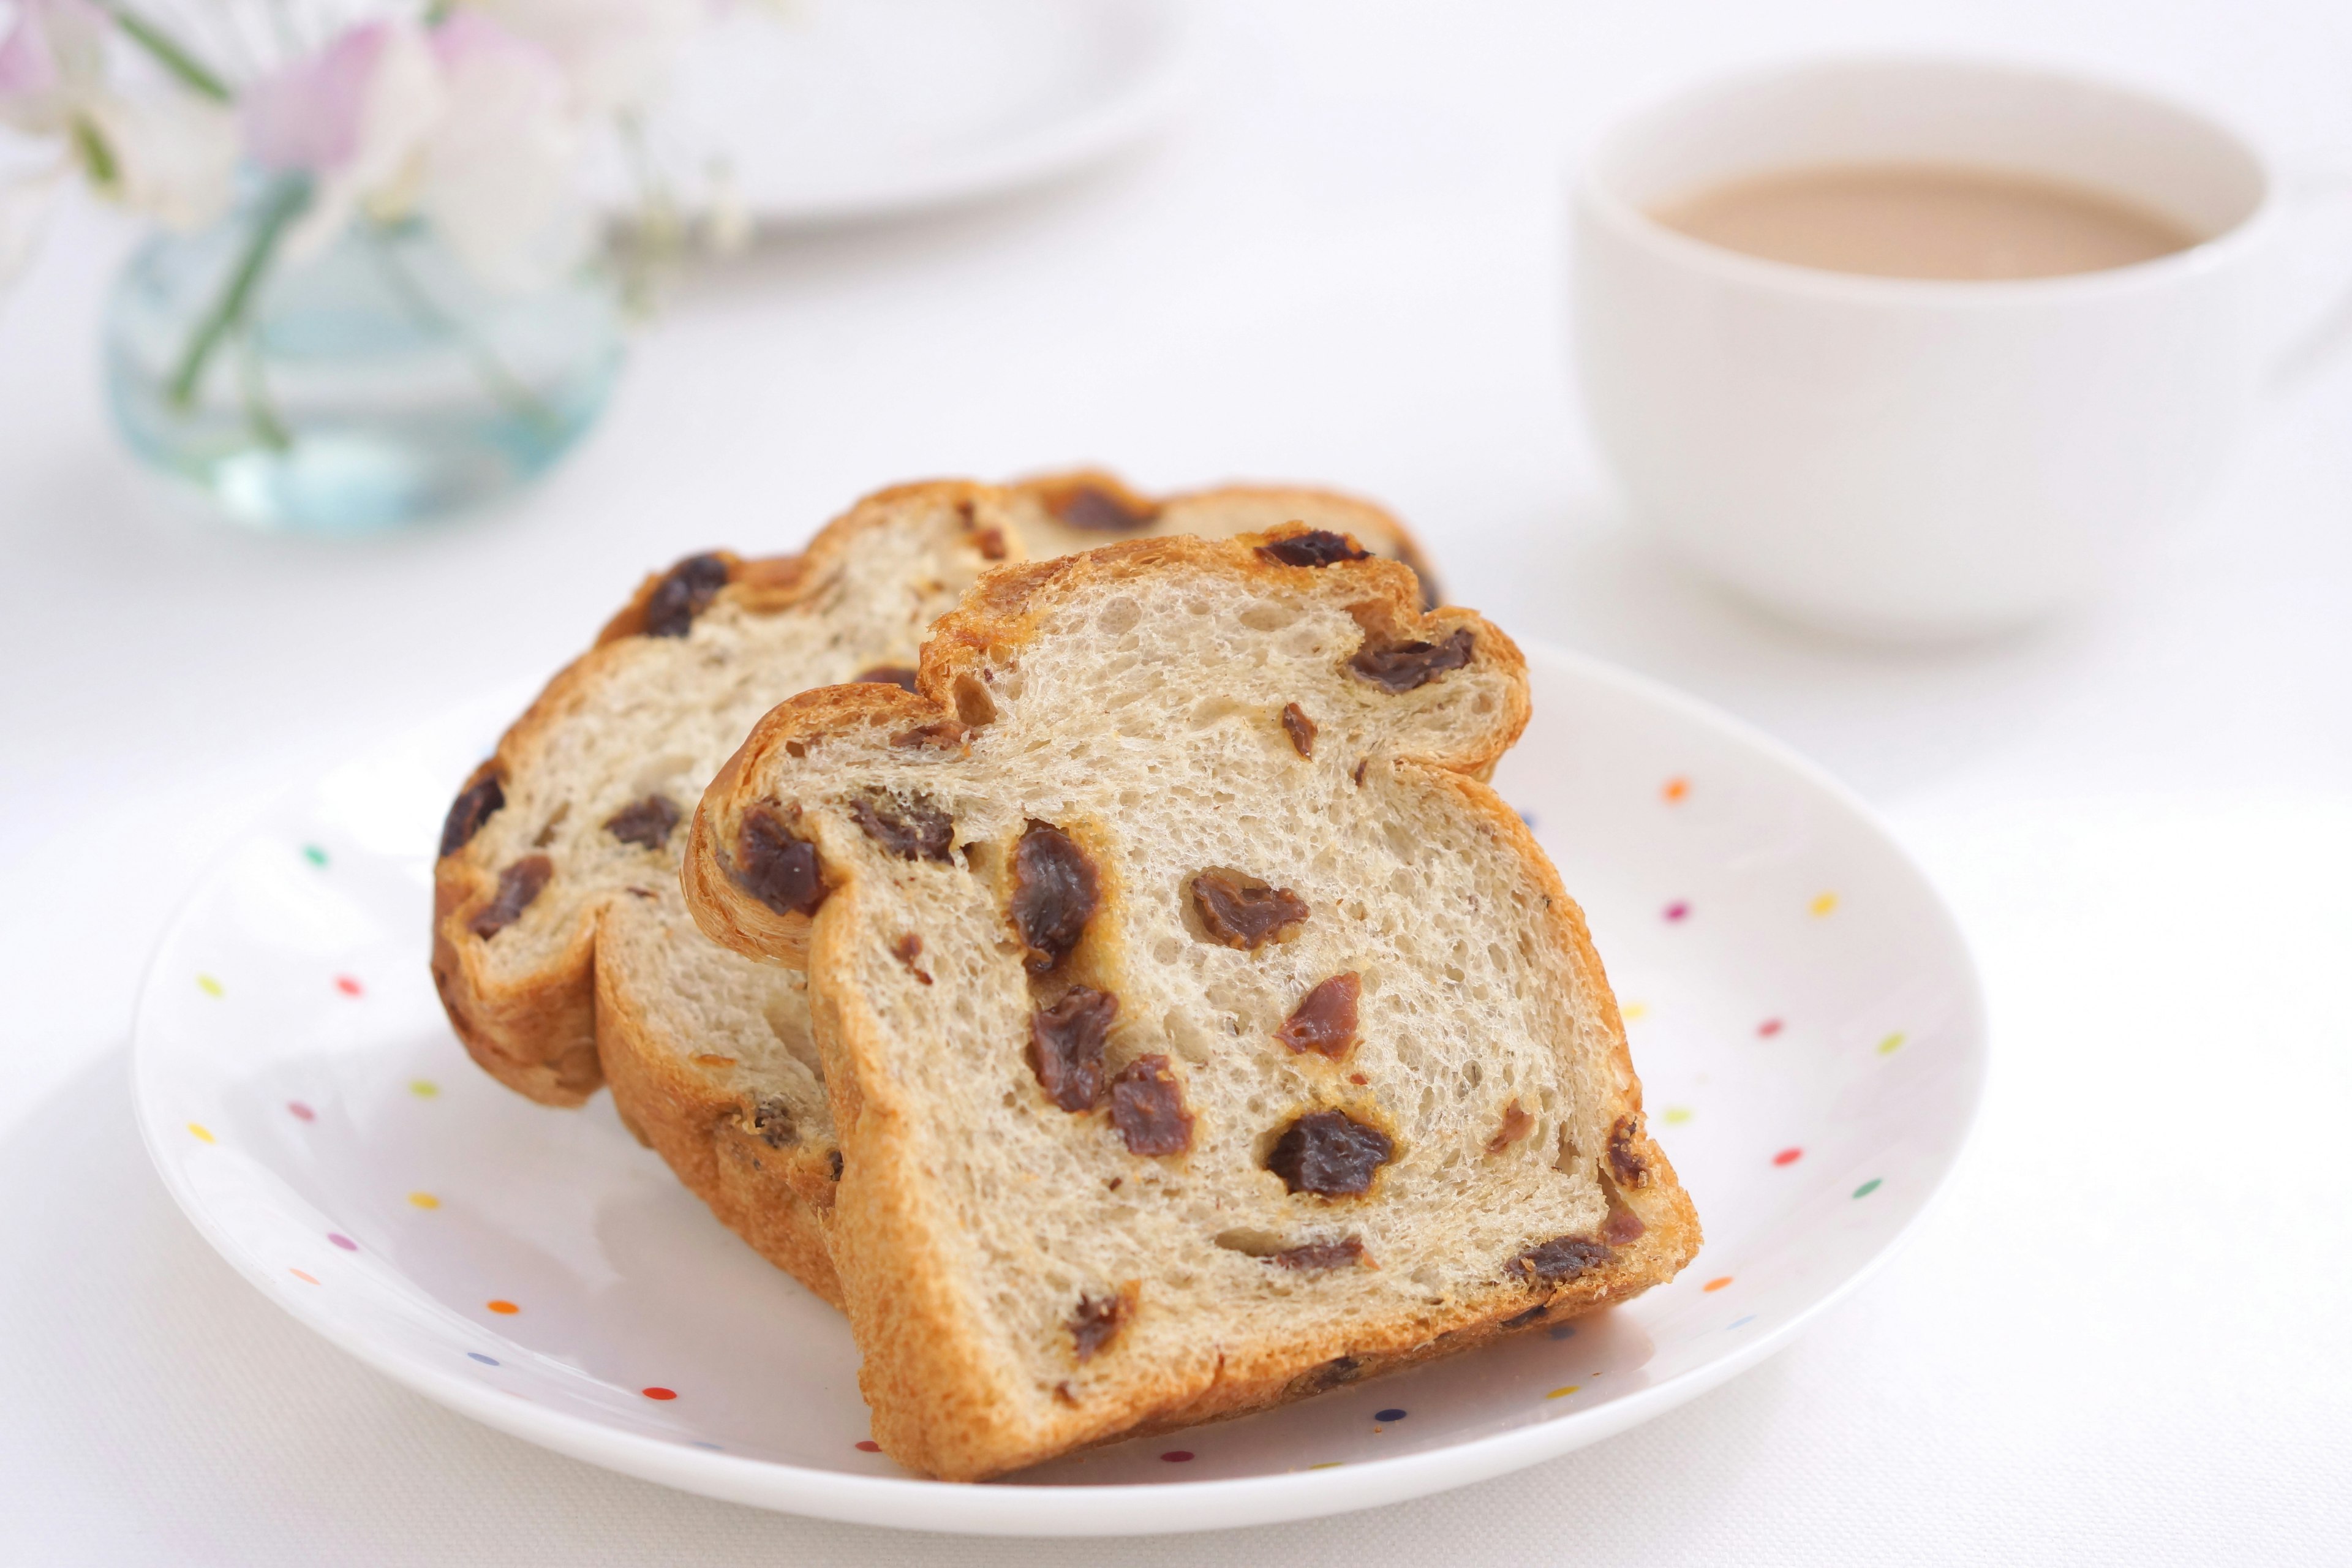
[(561, 947), (1200, 1032)]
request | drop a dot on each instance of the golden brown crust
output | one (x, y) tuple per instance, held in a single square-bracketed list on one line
[(537, 1033), (555, 1033), (934, 1405), (778, 1199)]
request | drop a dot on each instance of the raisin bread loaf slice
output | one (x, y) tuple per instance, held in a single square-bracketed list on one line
[(562, 949), (1200, 1031)]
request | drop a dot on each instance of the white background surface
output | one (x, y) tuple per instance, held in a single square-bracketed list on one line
[(2123, 1338)]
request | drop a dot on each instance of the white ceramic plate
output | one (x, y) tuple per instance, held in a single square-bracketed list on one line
[(1802, 1010), (835, 110)]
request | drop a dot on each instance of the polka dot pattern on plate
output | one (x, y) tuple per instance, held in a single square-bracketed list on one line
[(1700, 1025)]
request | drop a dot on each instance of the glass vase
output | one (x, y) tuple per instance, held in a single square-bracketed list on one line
[(376, 381)]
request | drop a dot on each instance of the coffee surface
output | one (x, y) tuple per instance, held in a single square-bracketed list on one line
[(1922, 220)]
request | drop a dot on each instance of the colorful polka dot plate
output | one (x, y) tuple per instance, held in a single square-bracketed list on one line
[(1802, 1009)]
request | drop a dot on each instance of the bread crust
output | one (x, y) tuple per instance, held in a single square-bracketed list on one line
[(560, 1030), (934, 1404), (780, 1200)]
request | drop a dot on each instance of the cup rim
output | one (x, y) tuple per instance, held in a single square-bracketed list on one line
[(1594, 195)]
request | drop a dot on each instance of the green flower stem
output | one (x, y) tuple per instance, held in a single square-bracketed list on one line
[(169, 53), (287, 199), (503, 385), (259, 411)]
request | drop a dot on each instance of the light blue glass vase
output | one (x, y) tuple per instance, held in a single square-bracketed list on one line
[(373, 384)]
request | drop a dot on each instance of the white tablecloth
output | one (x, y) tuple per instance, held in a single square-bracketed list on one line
[(2122, 1339)]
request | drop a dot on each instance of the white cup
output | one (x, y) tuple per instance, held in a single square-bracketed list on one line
[(1918, 458)]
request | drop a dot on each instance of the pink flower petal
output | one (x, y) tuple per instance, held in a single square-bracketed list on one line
[(308, 115)]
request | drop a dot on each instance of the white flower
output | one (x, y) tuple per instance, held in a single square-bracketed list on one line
[(172, 157), (616, 54), (168, 154), (52, 61), (356, 117), (496, 173)]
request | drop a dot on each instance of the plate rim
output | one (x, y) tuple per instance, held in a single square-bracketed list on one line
[(1062, 146), (1113, 1508)]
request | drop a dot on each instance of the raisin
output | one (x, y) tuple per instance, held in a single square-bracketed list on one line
[(685, 591), (897, 675), (1328, 1152), (1338, 1370), (1300, 728), (1345, 1253), (519, 884), (1401, 666), (916, 829), (474, 805), (776, 867), (1055, 891), (1324, 1022), (647, 823), (1621, 1226), (1243, 912), (1147, 1106), (1096, 1320), (1516, 1124), (1316, 547), (906, 949), (833, 1165), (772, 1119), (1097, 510), (992, 544), (1625, 1157), (1066, 1046), (1560, 1259), (938, 736), (1521, 1320)]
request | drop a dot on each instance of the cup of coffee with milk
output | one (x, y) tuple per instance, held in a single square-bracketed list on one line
[(1919, 349)]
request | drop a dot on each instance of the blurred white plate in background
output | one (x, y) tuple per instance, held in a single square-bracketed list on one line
[(826, 110), (1802, 1009)]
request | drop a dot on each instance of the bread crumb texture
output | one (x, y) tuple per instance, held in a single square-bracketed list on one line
[(563, 950), (1232, 1221)]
